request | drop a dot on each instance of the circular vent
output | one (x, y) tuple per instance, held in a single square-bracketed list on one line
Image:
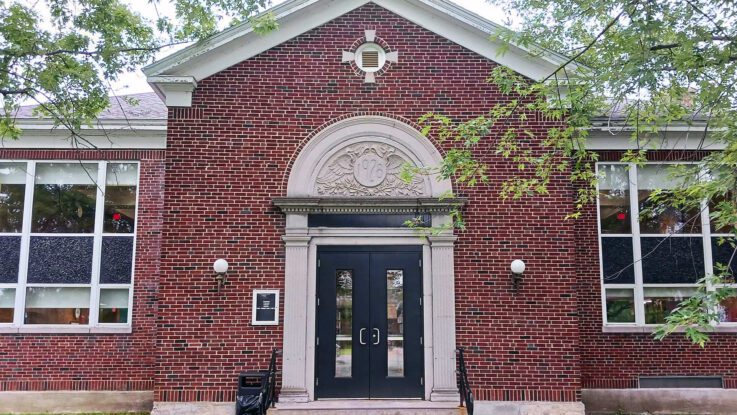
[(370, 57)]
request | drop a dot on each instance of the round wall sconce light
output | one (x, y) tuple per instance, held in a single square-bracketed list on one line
[(221, 268), (518, 268)]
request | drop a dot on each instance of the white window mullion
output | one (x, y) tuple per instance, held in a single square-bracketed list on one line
[(636, 247), (97, 246), (25, 243)]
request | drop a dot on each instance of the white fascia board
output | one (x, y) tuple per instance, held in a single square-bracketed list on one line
[(182, 56), (311, 15), (474, 37), (108, 137), (673, 139), (296, 17)]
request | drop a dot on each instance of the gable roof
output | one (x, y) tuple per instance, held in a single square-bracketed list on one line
[(175, 77)]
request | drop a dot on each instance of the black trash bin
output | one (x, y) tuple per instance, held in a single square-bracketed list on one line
[(256, 389), (252, 388)]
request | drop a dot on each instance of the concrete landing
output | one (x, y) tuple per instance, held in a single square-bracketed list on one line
[(366, 407)]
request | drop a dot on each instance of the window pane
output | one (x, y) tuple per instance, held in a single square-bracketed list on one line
[(673, 260), (723, 251), (617, 260), (60, 260), (713, 205), (728, 310), (659, 302), (114, 305), (395, 323), (620, 305), (7, 305), (664, 218), (12, 195), (120, 198), (344, 324), (64, 198), (116, 263), (614, 198), (9, 258), (57, 305)]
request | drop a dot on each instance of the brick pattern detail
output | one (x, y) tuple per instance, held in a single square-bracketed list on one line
[(230, 154), (36, 362), (617, 360)]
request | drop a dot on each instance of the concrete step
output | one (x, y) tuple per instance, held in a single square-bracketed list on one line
[(368, 407)]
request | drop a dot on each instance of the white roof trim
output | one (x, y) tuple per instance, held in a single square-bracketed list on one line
[(296, 17)]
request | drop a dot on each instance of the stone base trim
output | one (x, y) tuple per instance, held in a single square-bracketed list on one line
[(528, 408), (193, 408), (75, 402), (660, 401)]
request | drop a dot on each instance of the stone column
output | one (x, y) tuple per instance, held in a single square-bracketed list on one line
[(443, 314), (294, 369)]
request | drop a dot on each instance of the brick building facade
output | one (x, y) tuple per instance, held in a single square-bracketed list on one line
[(265, 137)]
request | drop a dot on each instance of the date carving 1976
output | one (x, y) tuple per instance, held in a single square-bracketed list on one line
[(368, 169)]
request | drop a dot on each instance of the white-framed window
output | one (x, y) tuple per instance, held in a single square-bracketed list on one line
[(265, 308), (67, 245), (650, 263)]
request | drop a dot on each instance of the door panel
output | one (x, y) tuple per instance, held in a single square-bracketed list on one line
[(369, 323), (396, 322), (342, 365)]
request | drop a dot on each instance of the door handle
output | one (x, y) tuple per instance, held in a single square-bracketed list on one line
[(378, 336), (360, 337)]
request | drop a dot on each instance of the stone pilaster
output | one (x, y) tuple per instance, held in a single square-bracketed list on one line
[(294, 381), (443, 314)]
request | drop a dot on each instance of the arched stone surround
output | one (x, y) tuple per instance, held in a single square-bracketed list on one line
[(352, 166)]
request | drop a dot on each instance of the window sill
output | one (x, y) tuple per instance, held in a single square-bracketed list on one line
[(66, 330), (650, 329)]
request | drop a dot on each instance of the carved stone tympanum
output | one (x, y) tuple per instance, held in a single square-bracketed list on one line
[(368, 169)]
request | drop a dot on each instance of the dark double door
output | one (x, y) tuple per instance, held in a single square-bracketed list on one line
[(369, 322)]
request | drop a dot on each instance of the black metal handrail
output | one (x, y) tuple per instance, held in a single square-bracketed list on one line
[(463, 386), (269, 400)]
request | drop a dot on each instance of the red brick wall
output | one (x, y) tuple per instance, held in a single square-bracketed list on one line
[(610, 360), (230, 154), (87, 361)]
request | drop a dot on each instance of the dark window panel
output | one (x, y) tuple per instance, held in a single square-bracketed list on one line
[(366, 221), (117, 260), (617, 260), (60, 260), (9, 258), (674, 260), (723, 253)]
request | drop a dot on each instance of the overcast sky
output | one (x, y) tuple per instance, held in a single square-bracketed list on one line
[(135, 82)]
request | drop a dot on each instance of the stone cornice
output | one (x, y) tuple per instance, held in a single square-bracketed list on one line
[(307, 205)]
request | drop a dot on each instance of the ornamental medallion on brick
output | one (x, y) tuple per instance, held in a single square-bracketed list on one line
[(368, 169)]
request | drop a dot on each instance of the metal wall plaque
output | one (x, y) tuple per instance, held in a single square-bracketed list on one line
[(265, 307)]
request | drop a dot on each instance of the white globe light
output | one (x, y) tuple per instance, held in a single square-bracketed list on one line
[(518, 266), (220, 266)]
